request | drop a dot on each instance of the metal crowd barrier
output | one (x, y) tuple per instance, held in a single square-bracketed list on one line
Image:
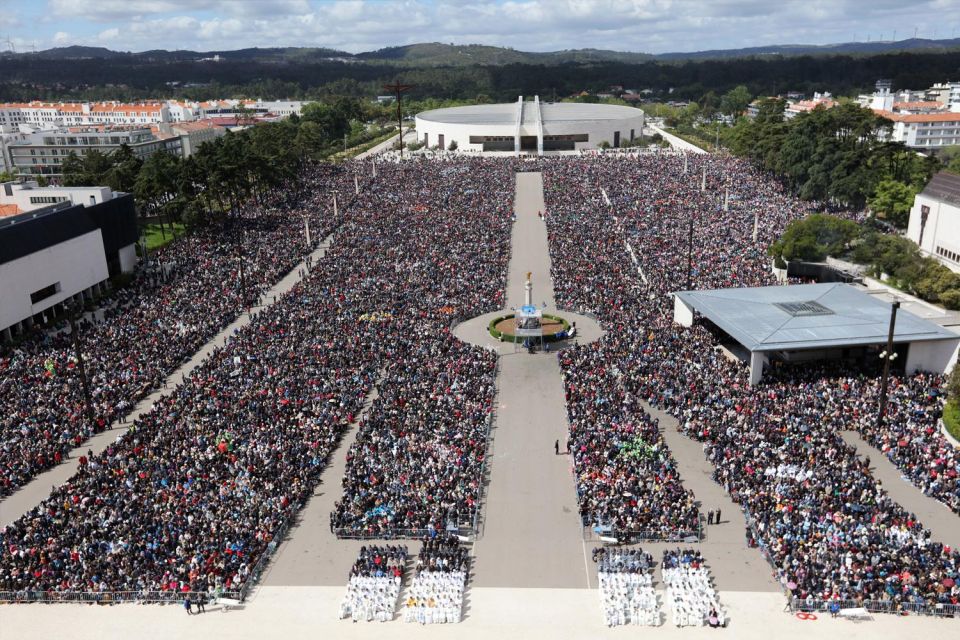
[(111, 597), (878, 606)]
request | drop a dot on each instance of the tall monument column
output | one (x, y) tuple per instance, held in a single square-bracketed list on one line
[(528, 288)]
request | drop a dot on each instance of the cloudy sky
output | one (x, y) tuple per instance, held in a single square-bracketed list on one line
[(654, 26)]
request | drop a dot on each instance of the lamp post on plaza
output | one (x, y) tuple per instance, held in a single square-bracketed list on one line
[(888, 356), (398, 89), (72, 313)]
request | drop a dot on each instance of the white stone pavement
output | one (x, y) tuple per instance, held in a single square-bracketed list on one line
[(294, 613), (677, 143), (34, 492), (386, 145)]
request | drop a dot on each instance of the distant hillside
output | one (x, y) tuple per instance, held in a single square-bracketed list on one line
[(439, 54), (75, 53), (434, 54), (845, 48), (256, 54)]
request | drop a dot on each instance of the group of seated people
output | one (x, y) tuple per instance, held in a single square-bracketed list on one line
[(375, 581), (191, 497), (177, 300), (626, 587), (436, 594), (820, 515), (690, 593), (416, 466)]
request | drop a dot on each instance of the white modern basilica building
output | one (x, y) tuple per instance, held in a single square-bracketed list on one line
[(935, 220), (529, 126), (59, 246)]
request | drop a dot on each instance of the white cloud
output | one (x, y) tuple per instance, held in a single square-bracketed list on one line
[(109, 35), (61, 37), (534, 25)]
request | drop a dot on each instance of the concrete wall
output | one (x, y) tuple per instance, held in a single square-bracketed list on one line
[(939, 356), (682, 312), (75, 264), (128, 258), (20, 195), (941, 230)]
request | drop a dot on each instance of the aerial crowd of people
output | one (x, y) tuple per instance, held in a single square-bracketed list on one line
[(144, 331), (194, 495), (826, 523)]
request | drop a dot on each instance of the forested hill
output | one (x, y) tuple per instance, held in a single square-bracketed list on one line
[(447, 72), (437, 53)]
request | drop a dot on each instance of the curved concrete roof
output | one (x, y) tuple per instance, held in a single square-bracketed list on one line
[(506, 114)]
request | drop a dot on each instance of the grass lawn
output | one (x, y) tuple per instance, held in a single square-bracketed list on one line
[(951, 418), (157, 238)]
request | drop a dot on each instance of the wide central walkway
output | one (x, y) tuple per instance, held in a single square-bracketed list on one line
[(531, 533)]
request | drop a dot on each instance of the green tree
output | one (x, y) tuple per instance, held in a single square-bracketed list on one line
[(815, 237), (892, 200), (950, 157), (735, 101), (72, 169), (122, 175), (333, 120), (157, 186), (709, 104)]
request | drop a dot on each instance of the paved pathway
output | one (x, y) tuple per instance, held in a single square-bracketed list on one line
[(677, 143), (943, 523), (31, 494), (311, 555), (531, 533), (386, 145), (734, 566)]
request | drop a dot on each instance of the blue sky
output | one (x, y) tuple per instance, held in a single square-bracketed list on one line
[(653, 26)]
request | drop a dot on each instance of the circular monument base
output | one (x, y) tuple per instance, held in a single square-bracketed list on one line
[(504, 328), (476, 331)]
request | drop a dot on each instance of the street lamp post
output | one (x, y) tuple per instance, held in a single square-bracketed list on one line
[(888, 356), (74, 333)]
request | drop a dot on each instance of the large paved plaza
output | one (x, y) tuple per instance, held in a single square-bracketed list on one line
[(532, 575)]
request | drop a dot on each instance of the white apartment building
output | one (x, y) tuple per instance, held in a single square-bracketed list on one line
[(75, 114), (71, 114), (925, 131), (43, 153)]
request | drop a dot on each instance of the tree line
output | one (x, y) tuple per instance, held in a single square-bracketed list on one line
[(24, 79), (888, 256)]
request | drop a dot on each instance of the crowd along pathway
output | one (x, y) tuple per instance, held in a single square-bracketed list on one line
[(35, 491), (531, 534)]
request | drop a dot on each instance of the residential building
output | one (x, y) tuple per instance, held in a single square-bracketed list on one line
[(71, 114), (935, 220), (795, 108), (191, 134), (43, 153), (927, 132), (65, 114)]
